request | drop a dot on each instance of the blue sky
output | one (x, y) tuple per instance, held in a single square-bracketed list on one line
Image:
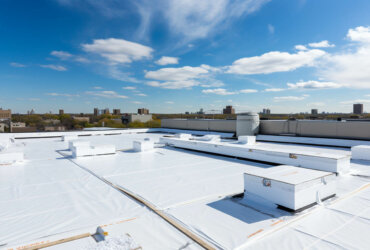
[(177, 56)]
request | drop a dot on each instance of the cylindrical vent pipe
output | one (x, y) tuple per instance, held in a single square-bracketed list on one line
[(247, 124)]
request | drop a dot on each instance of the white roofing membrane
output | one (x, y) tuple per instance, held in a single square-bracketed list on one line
[(50, 196)]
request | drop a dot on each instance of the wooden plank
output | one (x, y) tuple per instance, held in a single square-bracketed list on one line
[(61, 241)]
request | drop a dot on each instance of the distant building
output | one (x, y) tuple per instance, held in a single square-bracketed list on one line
[(200, 112), (61, 112), (106, 111), (31, 112), (187, 113), (314, 112), (5, 114), (52, 121), (266, 111), (143, 111), (18, 124), (55, 128), (116, 111), (96, 111), (229, 110), (127, 118), (358, 109), (2, 127), (81, 118)]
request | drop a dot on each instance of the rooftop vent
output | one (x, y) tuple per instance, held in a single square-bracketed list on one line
[(247, 139), (291, 188), (87, 150)]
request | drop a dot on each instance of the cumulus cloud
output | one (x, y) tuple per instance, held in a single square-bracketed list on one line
[(350, 68), (61, 54), (218, 91), (300, 47), (62, 94), (170, 102), (54, 67), (247, 91), (275, 61), (290, 98), (274, 90), (165, 60), (313, 85), (17, 65), (322, 44), (141, 94), (106, 94), (129, 87), (176, 78), (118, 50)]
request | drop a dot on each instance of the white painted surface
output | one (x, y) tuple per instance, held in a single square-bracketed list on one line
[(247, 139), (142, 146), (329, 162), (361, 152), (290, 186), (312, 140), (69, 137)]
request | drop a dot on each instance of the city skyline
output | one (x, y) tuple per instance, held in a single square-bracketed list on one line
[(172, 57)]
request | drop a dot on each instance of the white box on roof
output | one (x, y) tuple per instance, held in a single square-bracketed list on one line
[(290, 187), (337, 163), (86, 150), (247, 139), (77, 143), (361, 152), (142, 146)]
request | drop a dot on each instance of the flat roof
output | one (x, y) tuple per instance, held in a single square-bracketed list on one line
[(51, 195)]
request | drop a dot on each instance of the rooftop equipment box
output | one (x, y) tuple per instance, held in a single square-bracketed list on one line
[(290, 187), (142, 146), (361, 152)]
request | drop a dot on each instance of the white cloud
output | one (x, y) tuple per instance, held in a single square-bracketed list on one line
[(275, 61), (118, 50), (176, 78), (97, 87), (54, 67), (189, 19), (247, 91), (322, 44), (34, 99), (218, 91), (274, 90), (313, 85), (63, 94), (290, 98), (137, 102), (173, 84), (129, 87), (214, 84), (271, 29), (356, 101), (350, 68), (300, 47), (106, 94), (195, 19), (170, 102), (61, 54), (17, 65), (141, 94), (165, 60)]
